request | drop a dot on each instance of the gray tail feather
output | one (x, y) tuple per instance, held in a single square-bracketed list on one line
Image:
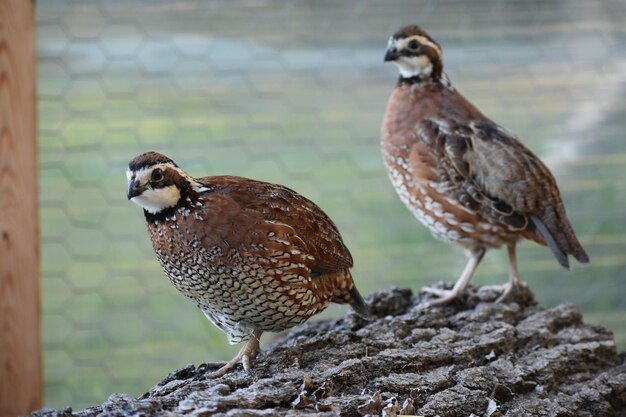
[(581, 256), (560, 251), (359, 305)]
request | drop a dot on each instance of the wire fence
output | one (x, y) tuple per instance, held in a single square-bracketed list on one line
[(293, 92)]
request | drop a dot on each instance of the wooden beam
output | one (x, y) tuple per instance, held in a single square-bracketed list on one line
[(20, 343)]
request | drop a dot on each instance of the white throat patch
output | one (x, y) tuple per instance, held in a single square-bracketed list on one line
[(154, 200), (414, 66)]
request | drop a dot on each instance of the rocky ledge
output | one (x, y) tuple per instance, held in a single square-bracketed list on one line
[(472, 358)]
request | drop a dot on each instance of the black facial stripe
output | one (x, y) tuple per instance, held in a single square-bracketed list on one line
[(159, 185), (414, 44), (422, 49)]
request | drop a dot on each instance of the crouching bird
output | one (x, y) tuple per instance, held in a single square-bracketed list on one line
[(254, 256), (469, 180)]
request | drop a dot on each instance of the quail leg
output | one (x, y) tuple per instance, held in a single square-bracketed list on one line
[(448, 295), (248, 352), (514, 280)]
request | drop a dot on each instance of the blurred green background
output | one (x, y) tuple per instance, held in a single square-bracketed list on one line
[(294, 92)]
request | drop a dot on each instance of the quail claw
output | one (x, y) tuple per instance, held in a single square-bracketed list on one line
[(246, 355)]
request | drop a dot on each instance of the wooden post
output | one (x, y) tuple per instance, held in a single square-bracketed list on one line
[(20, 343)]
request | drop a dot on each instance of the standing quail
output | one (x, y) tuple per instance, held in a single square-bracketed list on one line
[(254, 256), (469, 180)]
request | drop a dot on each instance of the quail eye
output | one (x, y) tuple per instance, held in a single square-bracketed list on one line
[(157, 175), (413, 44)]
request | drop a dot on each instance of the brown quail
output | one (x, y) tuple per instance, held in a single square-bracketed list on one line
[(254, 256), (469, 180)]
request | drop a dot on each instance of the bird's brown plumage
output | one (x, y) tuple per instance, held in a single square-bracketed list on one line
[(469, 180), (254, 256)]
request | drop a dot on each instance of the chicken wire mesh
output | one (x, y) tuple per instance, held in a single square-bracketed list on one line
[(293, 92)]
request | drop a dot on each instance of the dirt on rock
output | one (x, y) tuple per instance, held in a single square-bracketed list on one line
[(471, 358)]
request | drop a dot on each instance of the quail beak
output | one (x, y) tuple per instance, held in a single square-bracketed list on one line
[(135, 189), (391, 54)]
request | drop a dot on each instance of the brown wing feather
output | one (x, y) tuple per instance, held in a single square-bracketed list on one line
[(480, 171), (502, 166), (294, 218), (508, 181)]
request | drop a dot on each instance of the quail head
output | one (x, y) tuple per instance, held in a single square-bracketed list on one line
[(469, 180), (254, 256)]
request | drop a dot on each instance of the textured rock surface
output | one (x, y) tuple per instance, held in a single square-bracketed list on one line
[(471, 358)]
